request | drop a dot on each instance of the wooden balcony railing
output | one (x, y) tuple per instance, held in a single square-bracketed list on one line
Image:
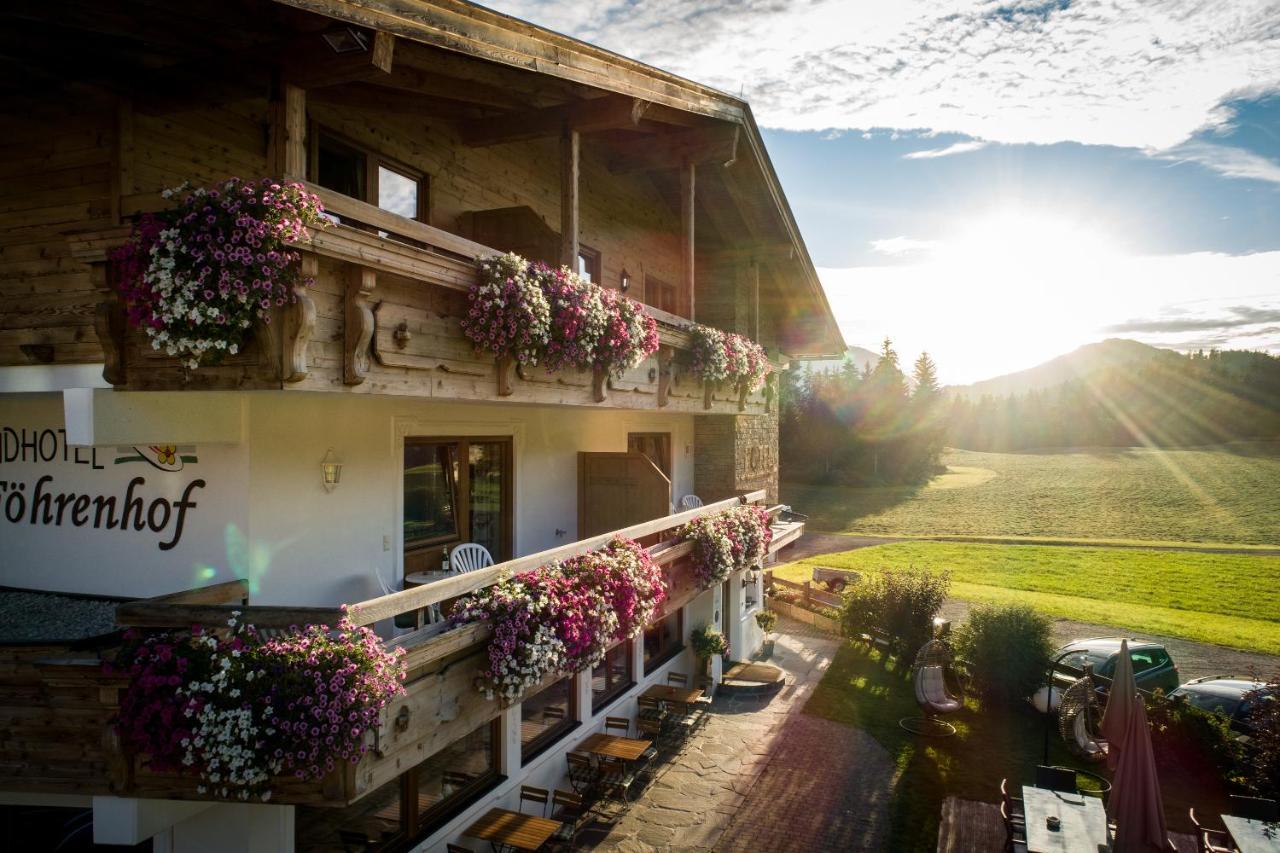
[(59, 701)]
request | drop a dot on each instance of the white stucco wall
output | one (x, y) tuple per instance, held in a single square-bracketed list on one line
[(263, 514)]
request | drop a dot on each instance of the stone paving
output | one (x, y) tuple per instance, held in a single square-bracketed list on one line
[(762, 776)]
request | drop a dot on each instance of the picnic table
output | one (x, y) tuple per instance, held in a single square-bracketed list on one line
[(521, 831), (1253, 836), (613, 746), (1084, 822)]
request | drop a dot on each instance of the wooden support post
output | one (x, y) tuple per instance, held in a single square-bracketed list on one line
[(599, 384), (109, 322), (288, 134), (753, 281), (357, 328), (299, 325), (666, 356), (687, 180), (570, 143)]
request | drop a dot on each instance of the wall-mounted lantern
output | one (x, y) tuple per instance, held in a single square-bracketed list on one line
[(624, 281), (330, 471)]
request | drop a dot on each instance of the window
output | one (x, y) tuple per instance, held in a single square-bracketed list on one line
[(589, 264), (366, 175), (411, 807), (612, 676), (547, 716), (663, 640), (1145, 659), (660, 295), (655, 445), (456, 490)]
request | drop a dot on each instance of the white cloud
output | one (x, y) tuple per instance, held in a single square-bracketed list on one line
[(897, 246), (1139, 73), (956, 148), (1232, 162)]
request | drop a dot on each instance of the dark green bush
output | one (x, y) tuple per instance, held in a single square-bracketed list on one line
[(900, 604), (1261, 764), (1190, 740), (1008, 650)]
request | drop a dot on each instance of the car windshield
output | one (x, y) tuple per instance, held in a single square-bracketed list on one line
[(1212, 702), (1101, 661)]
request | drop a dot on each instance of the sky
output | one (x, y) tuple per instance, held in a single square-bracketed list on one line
[(1000, 182)]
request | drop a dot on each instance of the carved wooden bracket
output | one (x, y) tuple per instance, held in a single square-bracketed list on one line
[(743, 390), (357, 328), (109, 322), (599, 384), (770, 390), (707, 390), (505, 365), (666, 357), (299, 326)]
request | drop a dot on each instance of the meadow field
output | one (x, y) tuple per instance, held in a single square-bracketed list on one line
[(1227, 494), (1082, 504)]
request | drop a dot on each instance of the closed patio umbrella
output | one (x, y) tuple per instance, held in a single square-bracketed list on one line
[(1121, 701), (1135, 803)]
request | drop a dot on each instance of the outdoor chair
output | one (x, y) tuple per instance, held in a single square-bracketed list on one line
[(650, 730), (619, 726), (1255, 808), (569, 810), (616, 779), (932, 694), (553, 712), (690, 502), (1015, 834), (468, 557), (1210, 840), (537, 796), (1014, 804), (582, 773), (1077, 720), (650, 708), (677, 679), (1056, 779)]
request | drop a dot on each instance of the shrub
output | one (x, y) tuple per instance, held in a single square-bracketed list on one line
[(1262, 765), (900, 604), (786, 595), (1190, 740), (767, 620), (1008, 648), (708, 641)]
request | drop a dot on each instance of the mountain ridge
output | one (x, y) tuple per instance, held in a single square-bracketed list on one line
[(1082, 361)]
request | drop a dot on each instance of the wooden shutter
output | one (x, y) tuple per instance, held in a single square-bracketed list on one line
[(617, 490)]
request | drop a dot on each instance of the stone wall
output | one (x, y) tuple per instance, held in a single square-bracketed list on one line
[(735, 454)]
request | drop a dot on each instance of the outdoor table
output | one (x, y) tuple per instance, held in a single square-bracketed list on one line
[(612, 746), (1253, 836), (422, 579), (521, 831), (680, 695), (1084, 822)]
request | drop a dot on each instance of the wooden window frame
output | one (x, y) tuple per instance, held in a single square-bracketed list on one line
[(417, 827), (555, 734), (651, 665), (611, 694), (595, 263), (372, 160), (462, 498), (654, 282)]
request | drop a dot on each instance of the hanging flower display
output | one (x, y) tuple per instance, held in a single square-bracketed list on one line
[(237, 709), (197, 277), (535, 314), (728, 541), (562, 617), (719, 356)]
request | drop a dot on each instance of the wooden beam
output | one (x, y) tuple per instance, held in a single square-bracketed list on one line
[(759, 253), (668, 151), (312, 64), (357, 328), (570, 145), (287, 134), (608, 113), (687, 191)]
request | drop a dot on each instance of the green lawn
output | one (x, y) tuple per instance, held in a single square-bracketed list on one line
[(860, 689), (1230, 599), (1228, 494)]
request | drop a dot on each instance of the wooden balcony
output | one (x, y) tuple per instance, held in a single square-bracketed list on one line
[(57, 703), (384, 317)]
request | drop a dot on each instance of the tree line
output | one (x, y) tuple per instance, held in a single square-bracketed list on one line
[(863, 427), (1174, 400)]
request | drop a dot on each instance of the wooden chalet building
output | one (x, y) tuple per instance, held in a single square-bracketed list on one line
[(437, 133)]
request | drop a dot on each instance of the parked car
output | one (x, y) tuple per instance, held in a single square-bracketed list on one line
[(1152, 667), (1237, 698)]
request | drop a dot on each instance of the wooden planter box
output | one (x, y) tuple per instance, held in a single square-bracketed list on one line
[(817, 620)]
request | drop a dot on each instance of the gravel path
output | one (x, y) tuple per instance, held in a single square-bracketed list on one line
[(1194, 660), (28, 617)]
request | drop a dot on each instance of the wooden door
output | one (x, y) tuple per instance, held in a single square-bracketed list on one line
[(617, 490), (655, 445)]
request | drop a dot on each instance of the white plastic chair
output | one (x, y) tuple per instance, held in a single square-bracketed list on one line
[(690, 502), (468, 557)]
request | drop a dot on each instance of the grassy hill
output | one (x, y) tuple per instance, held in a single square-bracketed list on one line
[(1088, 359), (1222, 494)]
